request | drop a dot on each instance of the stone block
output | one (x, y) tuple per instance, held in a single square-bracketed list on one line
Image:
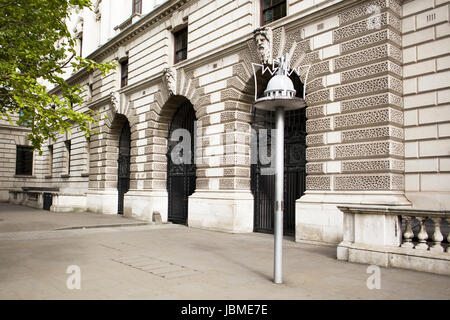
[(434, 148), (409, 54), (420, 100), (418, 37), (416, 6), (432, 17), (434, 114), (412, 182), (422, 132), (444, 130), (421, 165), (420, 68), (433, 49), (434, 81)]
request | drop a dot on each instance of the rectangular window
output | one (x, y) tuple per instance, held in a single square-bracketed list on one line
[(50, 160), (88, 153), (68, 151), (80, 41), (137, 6), (24, 160), (124, 73), (273, 10), (181, 40)]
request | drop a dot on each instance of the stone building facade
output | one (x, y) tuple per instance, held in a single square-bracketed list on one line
[(377, 116)]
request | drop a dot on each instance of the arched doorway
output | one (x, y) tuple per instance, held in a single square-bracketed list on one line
[(181, 174), (123, 172), (263, 185)]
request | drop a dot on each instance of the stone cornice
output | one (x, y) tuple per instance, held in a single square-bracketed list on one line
[(98, 102), (289, 22), (14, 127)]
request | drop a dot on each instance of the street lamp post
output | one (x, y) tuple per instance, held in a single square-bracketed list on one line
[(279, 96)]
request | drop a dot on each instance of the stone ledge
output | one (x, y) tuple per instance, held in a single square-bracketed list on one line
[(397, 257)]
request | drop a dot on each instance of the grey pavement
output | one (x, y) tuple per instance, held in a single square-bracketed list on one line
[(15, 218), (176, 262)]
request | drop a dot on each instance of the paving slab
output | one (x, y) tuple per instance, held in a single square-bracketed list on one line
[(214, 265), (14, 218)]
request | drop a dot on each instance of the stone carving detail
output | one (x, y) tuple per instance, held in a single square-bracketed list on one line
[(315, 139), (371, 133), (314, 112), (374, 69), (299, 55), (362, 150), (398, 182), (363, 134), (369, 149), (372, 101), (314, 167), (359, 11), (318, 153), (316, 125), (365, 166), (98, 14), (170, 80), (320, 69), (115, 101), (363, 87), (354, 29), (368, 117), (316, 84), (311, 57), (371, 39), (362, 57), (263, 41), (366, 182), (318, 183), (278, 33), (318, 97)]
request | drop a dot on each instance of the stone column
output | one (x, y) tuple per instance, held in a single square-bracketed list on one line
[(223, 199)]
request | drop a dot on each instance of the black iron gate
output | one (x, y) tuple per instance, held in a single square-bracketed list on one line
[(263, 185), (123, 180), (181, 175)]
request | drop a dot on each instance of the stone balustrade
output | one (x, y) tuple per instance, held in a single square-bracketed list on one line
[(422, 238), (396, 237)]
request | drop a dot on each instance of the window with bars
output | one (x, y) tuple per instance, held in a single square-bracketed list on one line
[(137, 6), (124, 73), (272, 10), (181, 40), (24, 160)]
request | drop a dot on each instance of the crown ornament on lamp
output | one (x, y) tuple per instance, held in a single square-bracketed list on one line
[(280, 90)]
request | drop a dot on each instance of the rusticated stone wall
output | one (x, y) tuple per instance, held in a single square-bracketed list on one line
[(354, 96)]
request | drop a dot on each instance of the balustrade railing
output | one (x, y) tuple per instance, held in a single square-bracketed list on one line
[(426, 232)]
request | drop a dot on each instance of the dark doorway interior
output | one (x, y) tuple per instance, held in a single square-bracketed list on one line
[(47, 200), (181, 176), (263, 185), (123, 180)]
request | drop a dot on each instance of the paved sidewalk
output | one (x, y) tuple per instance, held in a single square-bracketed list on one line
[(176, 262), (21, 218)]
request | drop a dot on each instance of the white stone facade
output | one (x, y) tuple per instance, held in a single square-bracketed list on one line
[(377, 98)]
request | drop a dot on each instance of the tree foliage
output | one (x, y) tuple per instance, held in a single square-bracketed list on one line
[(36, 47)]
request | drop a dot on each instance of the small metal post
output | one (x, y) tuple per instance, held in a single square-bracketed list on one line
[(279, 193)]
